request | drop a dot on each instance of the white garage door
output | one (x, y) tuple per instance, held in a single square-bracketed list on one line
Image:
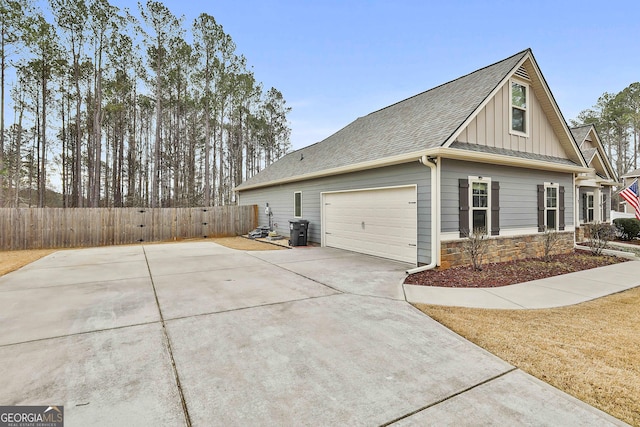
[(381, 222)]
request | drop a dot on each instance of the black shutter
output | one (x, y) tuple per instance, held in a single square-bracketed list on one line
[(463, 198), (585, 214), (561, 208), (540, 207), (495, 208)]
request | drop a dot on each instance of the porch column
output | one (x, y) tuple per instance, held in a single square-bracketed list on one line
[(597, 205)]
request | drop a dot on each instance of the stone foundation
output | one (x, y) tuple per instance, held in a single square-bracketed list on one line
[(581, 236), (504, 249)]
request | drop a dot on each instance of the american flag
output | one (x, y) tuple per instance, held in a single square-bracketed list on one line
[(630, 194)]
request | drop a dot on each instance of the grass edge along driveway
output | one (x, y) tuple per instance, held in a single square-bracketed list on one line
[(590, 350)]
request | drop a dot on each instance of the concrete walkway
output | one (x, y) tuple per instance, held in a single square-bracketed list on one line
[(199, 334), (558, 291)]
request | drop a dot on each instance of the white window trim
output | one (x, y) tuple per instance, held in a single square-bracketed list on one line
[(294, 204), (603, 206), (593, 208), (557, 208), (526, 109), (486, 180)]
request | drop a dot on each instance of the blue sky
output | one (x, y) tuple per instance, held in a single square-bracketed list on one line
[(335, 61)]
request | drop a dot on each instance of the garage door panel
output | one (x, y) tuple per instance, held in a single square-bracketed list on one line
[(380, 248), (389, 217)]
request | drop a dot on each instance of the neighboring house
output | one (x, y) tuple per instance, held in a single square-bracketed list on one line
[(489, 150), (593, 188)]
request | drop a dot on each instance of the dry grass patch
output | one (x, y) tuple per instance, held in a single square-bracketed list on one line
[(590, 350), (244, 244), (13, 260)]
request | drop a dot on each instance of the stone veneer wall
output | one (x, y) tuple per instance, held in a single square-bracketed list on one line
[(504, 249)]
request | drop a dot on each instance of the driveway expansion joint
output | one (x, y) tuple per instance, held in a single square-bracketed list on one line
[(92, 282), (298, 274), (183, 402), (115, 328), (231, 310), (488, 380)]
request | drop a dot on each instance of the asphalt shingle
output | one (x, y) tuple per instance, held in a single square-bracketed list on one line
[(423, 121), (512, 153)]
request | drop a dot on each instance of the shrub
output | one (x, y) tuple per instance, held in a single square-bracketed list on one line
[(628, 228), (599, 235), (550, 239), (475, 246)]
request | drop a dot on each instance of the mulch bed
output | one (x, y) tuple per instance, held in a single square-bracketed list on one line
[(512, 272)]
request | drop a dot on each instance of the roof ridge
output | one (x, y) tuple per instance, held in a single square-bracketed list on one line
[(581, 126), (451, 81)]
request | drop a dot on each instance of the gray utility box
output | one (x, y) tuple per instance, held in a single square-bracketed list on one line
[(298, 232)]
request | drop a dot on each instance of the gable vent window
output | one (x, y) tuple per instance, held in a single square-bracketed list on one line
[(522, 73), (519, 108)]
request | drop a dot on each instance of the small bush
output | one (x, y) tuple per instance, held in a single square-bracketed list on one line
[(475, 245), (550, 239), (628, 228), (599, 235)]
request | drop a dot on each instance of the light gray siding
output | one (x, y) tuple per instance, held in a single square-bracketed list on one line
[(280, 199), (518, 193)]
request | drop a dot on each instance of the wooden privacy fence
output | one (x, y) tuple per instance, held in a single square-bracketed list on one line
[(36, 228)]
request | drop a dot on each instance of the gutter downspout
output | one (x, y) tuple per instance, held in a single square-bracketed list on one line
[(432, 164), (576, 211)]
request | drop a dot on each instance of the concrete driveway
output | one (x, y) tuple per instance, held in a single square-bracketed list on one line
[(199, 334)]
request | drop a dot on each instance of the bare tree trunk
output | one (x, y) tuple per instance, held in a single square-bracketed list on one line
[(207, 157), (42, 178), (2, 66), (156, 158), (97, 132), (77, 177)]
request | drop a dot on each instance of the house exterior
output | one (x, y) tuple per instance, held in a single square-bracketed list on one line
[(594, 189), (488, 151)]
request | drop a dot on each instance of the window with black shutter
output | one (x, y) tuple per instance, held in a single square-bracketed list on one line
[(479, 202)]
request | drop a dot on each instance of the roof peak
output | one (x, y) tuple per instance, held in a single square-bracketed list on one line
[(521, 53), (581, 126)]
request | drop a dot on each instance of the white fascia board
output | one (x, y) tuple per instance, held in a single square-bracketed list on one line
[(484, 103), (449, 153), (601, 153), (475, 156), (556, 109), (373, 164)]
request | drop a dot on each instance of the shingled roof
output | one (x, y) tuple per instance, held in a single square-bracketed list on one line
[(423, 121), (631, 174), (579, 134)]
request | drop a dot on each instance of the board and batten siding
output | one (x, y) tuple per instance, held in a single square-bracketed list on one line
[(280, 199), (491, 127), (518, 193)]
